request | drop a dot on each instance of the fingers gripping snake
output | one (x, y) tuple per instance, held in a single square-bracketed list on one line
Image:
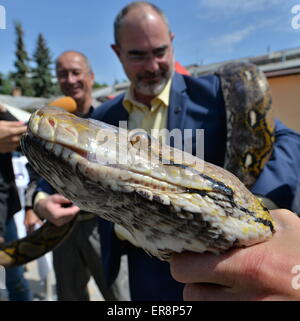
[(168, 200)]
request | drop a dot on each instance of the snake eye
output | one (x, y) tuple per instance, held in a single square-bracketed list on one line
[(139, 137), (135, 139)]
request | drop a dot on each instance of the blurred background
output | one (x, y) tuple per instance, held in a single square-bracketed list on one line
[(207, 33)]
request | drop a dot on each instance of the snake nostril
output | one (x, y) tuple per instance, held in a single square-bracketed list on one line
[(51, 122)]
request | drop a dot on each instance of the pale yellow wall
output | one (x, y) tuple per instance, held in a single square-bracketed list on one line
[(286, 99)]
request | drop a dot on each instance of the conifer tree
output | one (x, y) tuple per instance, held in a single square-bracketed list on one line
[(6, 84), (22, 75), (41, 76)]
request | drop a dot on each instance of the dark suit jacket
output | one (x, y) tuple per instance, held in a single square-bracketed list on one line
[(9, 197), (194, 104)]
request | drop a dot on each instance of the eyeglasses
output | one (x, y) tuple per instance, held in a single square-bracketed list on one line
[(140, 57)]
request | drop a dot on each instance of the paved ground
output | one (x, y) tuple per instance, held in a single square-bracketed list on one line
[(45, 290)]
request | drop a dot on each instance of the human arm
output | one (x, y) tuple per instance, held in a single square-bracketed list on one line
[(10, 134), (279, 178), (260, 272), (47, 204), (30, 220), (53, 208)]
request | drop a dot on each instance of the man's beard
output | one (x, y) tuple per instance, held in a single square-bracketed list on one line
[(152, 88)]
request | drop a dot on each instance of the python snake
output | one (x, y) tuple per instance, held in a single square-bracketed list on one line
[(169, 201)]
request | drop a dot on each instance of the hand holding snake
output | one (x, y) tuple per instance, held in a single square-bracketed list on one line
[(260, 272)]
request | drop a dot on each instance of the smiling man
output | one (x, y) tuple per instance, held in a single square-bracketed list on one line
[(159, 98), (76, 79)]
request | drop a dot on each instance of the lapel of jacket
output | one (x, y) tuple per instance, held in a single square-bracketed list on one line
[(122, 116), (177, 105), (180, 103), (117, 113)]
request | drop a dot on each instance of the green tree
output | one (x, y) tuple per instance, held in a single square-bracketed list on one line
[(6, 84), (41, 74), (98, 85), (21, 76), (56, 89)]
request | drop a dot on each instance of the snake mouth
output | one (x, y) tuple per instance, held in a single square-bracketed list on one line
[(92, 168), (106, 153), (140, 169), (131, 177), (148, 186), (42, 141)]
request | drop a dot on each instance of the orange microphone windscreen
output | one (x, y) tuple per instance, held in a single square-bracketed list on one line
[(67, 103)]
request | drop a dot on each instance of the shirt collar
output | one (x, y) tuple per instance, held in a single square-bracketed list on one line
[(88, 114)]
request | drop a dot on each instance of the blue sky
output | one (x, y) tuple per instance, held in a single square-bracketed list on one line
[(206, 31)]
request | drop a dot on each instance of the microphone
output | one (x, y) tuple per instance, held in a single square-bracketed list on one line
[(67, 103)]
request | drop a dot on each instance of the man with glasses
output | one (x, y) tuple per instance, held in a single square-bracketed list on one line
[(159, 98)]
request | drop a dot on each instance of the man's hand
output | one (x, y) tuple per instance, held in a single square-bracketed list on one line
[(10, 134), (3, 109), (57, 209), (31, 219), (259, 272)]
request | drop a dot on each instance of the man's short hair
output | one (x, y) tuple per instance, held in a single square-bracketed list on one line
[(121, 15), (84, 57)]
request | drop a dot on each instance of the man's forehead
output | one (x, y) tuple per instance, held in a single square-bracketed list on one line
[(71, 62), (155, 50), (146, 46), (144, 41), (144, 27)]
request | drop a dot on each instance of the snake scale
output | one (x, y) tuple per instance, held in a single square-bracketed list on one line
[(169, 201)]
